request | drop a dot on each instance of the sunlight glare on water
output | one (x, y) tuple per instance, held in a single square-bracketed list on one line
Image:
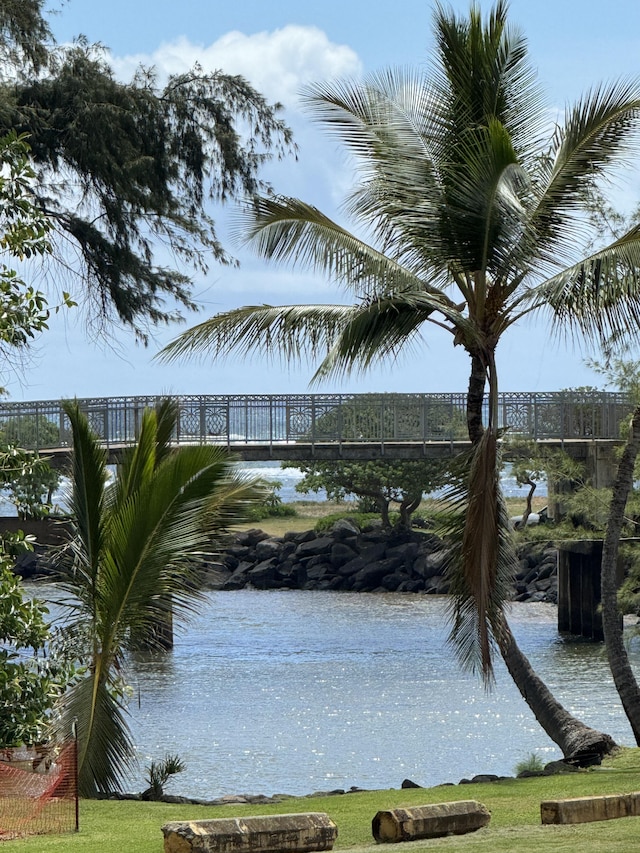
[(284, 691)]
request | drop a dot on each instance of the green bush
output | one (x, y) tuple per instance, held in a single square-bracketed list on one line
[(272, 505), (531, 764), (260, 511), (362, 520)]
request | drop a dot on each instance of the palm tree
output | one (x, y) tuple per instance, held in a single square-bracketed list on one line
[(130, 565), (471, 212), (621, 670)]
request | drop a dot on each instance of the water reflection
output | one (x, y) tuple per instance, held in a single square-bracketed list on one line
[(293, 692)]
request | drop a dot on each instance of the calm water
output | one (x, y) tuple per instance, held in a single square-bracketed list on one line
[(271, 692)]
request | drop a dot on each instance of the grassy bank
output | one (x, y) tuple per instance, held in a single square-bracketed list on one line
[(309, 512), (131, 827)]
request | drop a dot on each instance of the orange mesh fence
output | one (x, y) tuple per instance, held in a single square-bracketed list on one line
[(38, 791)]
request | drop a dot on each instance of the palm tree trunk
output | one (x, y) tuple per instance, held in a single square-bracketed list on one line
[(623, 676), (574, 738), (475, 399)]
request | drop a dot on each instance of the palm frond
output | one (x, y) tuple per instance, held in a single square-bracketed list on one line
[(88, 477), (157, 533), (286, 229), (105, 747), (481, 561), (383, 329), (599, 133), (387, 111), (286, 332), (484, 211), (167, 413), (481, 72), (598, 296), (389, 121), (139, 461)]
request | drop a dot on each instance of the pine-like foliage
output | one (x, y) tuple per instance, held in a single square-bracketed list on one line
[(127, 169)]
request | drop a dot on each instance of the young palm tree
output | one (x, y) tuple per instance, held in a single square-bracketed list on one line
[(130, 566), (473, 209)]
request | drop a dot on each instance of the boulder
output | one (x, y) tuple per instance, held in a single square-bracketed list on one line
[(313, 547), (406, 551), (430, 565), (251, 537), (268, 548), (300, 537), (372, 574), (264, 572), (342, 553), (353, 566), (344, 528)]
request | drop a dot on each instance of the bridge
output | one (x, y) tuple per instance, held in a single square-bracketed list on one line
[(331, 426)]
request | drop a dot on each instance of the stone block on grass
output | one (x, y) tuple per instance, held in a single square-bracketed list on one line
[(302, 833), (431, 821), (587, 809)]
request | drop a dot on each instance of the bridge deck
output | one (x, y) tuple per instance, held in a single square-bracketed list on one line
[(298, 426)]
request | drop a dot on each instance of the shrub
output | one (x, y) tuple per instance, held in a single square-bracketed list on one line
[(158, 774), (362, 520), (531, 764)]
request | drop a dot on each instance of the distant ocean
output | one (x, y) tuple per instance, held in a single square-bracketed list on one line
[(290, 477)]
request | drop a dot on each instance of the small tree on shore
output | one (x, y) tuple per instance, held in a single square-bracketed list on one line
[(378, 483)]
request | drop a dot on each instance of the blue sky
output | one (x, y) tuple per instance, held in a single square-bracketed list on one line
[(279, 47)]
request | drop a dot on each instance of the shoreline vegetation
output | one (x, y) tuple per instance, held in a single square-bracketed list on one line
[(308, 512), (135, 827)]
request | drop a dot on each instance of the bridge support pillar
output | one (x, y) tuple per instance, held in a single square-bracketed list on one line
[(602, 465), (579, 590)]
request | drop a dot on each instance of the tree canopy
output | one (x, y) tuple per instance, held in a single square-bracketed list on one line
[(127, 170), (379, 483)]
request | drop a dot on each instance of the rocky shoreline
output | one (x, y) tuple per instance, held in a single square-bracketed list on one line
[(373, 560), (345, 559), (553, 768)]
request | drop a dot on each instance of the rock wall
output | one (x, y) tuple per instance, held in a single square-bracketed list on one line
[(348, 559)]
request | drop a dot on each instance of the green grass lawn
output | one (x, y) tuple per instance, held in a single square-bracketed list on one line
[(132, 827)]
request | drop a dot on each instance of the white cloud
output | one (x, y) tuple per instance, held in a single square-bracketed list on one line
[(277, 63)]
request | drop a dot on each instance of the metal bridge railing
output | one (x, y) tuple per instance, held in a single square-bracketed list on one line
[(245, 419)]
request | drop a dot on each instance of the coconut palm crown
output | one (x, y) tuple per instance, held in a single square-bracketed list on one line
[(473, 202)]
